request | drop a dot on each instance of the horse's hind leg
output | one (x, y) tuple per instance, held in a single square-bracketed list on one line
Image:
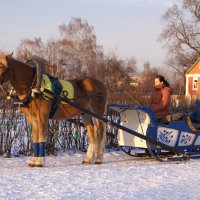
[(87, 120), (100, 138)]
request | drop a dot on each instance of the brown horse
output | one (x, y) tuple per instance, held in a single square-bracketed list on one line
[(89, 93)]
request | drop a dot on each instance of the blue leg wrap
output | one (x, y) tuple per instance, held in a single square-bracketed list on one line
[(42, 149), (36, 149)]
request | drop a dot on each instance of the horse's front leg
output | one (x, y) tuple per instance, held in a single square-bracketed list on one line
[(35, 138), (40, 146), (39, 130)]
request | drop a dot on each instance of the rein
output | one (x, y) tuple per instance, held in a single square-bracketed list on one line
[(85, 98), (79, 97)]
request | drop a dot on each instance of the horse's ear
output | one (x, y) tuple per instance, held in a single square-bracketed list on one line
[(9, 56)]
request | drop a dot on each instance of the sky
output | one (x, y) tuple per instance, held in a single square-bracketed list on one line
[(130, 28)]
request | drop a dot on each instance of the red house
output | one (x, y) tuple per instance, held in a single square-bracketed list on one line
[(193, 79)]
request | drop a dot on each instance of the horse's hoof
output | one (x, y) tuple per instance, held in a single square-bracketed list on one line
[(39, 165), (31, 165), (40, 162), (84, 162), (32, 162), (98, 162)]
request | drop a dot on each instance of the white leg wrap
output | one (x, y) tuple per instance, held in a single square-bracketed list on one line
[(90, 154)]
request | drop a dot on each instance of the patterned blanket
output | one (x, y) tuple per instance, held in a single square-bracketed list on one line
[(60, 87)]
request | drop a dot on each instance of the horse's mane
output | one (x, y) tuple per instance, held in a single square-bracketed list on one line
[(37, 61)]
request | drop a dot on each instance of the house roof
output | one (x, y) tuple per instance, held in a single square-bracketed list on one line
[(192, 66)]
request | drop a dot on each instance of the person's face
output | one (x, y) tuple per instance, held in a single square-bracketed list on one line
[(157, 82)]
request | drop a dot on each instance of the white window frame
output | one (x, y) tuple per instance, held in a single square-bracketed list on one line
[(195, 83)]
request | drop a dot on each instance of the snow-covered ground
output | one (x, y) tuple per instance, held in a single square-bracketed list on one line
[(119, 177)]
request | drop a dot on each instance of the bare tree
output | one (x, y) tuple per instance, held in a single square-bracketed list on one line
[(78, 46), (74, 54), (182, 34), (116, 74), (194, 7), (147, 66), (147, 81), (131, 65), (28, 48)]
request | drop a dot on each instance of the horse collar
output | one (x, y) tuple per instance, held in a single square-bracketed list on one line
[(29, 90)]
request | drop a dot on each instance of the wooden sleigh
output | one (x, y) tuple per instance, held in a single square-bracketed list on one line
[(178, 133)]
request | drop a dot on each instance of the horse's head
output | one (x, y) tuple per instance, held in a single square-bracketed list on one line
[(4, 59)]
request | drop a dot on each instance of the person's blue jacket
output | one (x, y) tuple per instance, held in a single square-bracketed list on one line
[(195, 116)]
